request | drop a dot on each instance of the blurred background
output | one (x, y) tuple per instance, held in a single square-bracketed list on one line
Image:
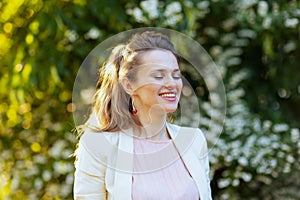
[(255, 45)]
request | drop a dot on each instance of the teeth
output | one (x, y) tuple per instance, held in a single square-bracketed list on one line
[(168, 95)]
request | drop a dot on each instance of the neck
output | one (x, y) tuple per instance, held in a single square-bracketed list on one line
[(153, 125)]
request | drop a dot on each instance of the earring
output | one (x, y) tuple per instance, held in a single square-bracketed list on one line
[(134, 110)]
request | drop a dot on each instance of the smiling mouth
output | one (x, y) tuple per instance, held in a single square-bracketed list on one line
[(168, 96)]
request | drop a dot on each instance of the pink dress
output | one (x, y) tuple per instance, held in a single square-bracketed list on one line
[(159, 173)]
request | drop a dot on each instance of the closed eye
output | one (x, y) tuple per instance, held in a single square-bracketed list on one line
[(158, 76), (177, 76)]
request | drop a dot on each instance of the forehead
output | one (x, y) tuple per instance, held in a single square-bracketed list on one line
[(158, 59)]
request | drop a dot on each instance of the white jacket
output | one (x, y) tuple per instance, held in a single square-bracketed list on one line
[(104, 163)]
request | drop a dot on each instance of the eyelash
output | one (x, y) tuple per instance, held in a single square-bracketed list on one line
[(161, 77)]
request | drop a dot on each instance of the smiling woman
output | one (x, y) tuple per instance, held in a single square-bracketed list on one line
[(128, 150), (158, 83)]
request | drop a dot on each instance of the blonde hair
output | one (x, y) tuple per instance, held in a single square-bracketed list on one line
[(111, 104)]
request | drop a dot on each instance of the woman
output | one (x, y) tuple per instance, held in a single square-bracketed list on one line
[(128, 149)]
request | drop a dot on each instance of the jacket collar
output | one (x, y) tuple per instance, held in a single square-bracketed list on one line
[(183, 139)]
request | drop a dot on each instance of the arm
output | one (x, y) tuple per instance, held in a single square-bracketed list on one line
[(89, 180)]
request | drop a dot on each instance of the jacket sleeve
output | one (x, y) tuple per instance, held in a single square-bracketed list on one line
[(89, 177), (207, 171), (205, 157)]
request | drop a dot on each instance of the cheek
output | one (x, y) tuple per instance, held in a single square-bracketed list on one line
[(151, 90), (149, 93), (179, 86)]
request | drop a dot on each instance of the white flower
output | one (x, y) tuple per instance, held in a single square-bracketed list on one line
[(262, 9), (233, 51), (211, 81), (235, 94), (285, 147), (137, 13), (245, 4), (64, 190), (291, 22), (297, 12), (290, 46), (251, 140), (264, 141), (229, 24), (240, 42), (284, 93), (62, 167), (93, 33), (261, 169), (243, 161), (295, 134), (280, 128), (273, 163), (189, 4), (223, 183), (228, 158), (227, 38), (275, 145), (203, 5), (246, 177), (267, 125), (233, 61), (225, 196), (287, 168), (173, 8), (38, 184), (56, 150), (290, 159), (46, 175), (215, 99), (235, 182), (40, 159), (173, 20), (281, 154), (257, 124), (69, 179), (236, 144), (247, 33), (211, 31), (267, 22), (71, 35), (215, 50), (236, 78), (150, 7)]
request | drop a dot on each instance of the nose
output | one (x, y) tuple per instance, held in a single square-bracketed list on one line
[(170, 82)]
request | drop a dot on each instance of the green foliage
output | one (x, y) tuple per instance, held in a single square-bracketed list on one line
[(255, 45)]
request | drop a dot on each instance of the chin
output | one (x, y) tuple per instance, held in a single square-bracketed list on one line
[(170, 110)]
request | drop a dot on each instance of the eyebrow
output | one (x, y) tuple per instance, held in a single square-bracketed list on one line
[(163, 70)]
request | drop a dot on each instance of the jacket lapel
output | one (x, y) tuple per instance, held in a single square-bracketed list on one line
[(185, 142), (124, 166)]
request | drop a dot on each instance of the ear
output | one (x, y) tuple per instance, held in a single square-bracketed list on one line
[(127, 86)]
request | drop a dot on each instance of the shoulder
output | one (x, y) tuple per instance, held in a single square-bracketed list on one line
[(196, 132), (92, 137), (188, 137), (98, 144)]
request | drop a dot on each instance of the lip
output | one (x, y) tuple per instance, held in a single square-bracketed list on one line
[(169, 96)]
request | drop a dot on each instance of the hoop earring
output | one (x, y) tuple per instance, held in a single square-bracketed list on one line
[(134, 110)]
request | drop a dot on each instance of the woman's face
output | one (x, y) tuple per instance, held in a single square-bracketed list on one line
[(158, 82)]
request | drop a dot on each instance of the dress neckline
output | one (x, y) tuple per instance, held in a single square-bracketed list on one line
[(153, 141)]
